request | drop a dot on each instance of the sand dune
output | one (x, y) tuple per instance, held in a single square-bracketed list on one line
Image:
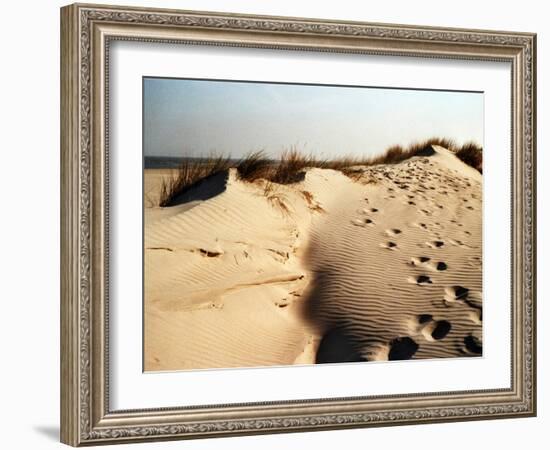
[(402, 268), (330, 269)]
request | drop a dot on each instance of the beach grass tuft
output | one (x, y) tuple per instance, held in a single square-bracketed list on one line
[(255, 166), (471, 154), (190, 174), (292, 165)]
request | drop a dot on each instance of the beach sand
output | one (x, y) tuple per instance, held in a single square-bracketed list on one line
[(385, 265)]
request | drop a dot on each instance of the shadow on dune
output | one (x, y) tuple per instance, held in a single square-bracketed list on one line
[(337, 347), (337, 344), (428, 151), (203, 190)]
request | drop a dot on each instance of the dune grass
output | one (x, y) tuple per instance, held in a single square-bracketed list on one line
[(290, 168), (189, 174), (471, 154), (255, 166)]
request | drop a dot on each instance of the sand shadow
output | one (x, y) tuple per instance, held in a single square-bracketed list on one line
[(337, 347), (337, 344), (204, 189)]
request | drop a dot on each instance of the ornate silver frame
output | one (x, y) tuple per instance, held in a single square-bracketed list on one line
[(86, 31)]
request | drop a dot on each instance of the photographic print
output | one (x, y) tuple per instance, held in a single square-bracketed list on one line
[(294, 224)]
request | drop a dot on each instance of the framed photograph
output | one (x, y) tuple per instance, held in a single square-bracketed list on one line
[(276, 224)]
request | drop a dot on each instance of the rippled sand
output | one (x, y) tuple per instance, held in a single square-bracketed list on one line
[(386, 265)]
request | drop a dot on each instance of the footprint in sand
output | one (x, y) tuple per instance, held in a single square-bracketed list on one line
[(437, 226), (458, 243), (362, 222), (420, 280), (474, 300), (402, 348), (421, 225), (473, 345), (474, 264), (424, 261), (476, 316), (456, 293), (423, 318), (435, 244), (474, 261), (431, 329), (436, 330), (439, 266), (417, 261), (389, 245), (393, 232)]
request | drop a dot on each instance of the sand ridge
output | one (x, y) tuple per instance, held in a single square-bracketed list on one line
[(224, 279), (331, 269), (403, 266)]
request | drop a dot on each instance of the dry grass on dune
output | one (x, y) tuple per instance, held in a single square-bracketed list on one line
[(287, 170), (190, 173), (471, 154), (255, 166), (290, 168), (449, 144), (396, 153)]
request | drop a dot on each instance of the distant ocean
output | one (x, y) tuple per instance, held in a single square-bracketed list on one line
[(167, 162), (163, 162)]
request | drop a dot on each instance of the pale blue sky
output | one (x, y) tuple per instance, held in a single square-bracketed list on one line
[(196, 117)]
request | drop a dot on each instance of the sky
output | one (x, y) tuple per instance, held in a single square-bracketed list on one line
[(184, 117)]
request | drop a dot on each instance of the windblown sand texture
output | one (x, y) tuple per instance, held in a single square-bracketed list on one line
[(385, 265)]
